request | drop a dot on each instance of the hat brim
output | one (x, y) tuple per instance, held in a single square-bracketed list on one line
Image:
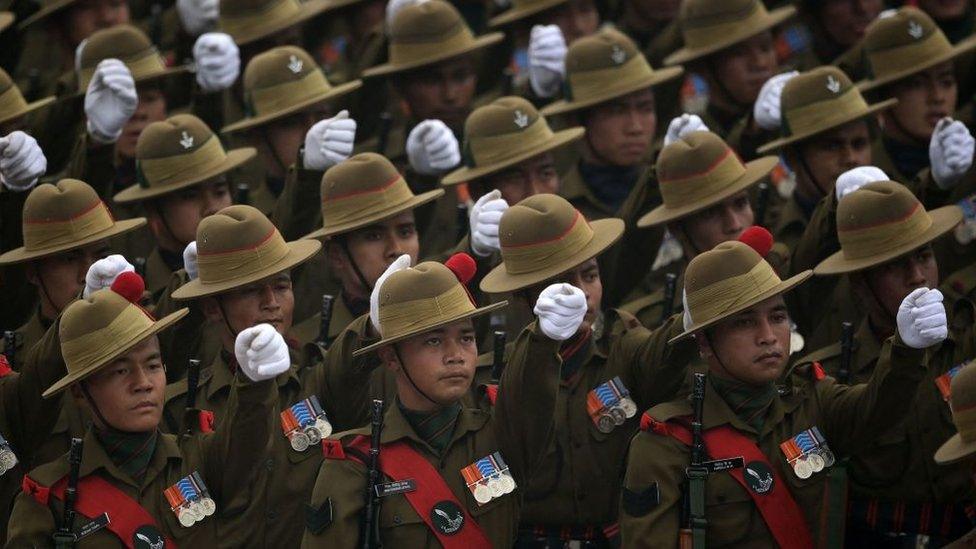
[(756, 171), (299, 252), (388, 68), (944, 219), (306, 11), (466, 174), (781, 288), (656, 78), (21, 254), (235, 158), (6, 18), (44, 12), (426, 328), (80, 375), (254, 121), (954, 450), (685, 54), (376, 217), (962, 47), (784, 141), (31, 107), (606, 232), (514, 14)]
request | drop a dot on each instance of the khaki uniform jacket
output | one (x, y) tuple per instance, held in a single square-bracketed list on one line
[(25, 338), (519, 426), (308, 330), (849, 418), (226, 459)]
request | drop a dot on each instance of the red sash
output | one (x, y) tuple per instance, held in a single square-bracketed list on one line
[(96, 496), (777, 506), (399, 461)]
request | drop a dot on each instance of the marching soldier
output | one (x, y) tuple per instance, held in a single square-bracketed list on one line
[(959, 447), (836, 27)]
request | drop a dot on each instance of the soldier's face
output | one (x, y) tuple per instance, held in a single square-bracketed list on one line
[(945, 10), (576, 19), (656, 10), (129, 391), (151, 108), (267, 301), (60, 278), (830, 154), (440, 362), (846, 20), (530, 177), (752, 346), (723, 222), (620, 132), (373, 249), (87, 16), (176, 216), (442, 91), (923, 99), (741, 70), (896, 279), (586, 277)]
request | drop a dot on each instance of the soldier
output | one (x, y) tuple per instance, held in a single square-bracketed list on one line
[(259, 25), (747, 491), (836, 27), (459, 464), (885, 238), (960, 446), (135, 485), (16, 112)]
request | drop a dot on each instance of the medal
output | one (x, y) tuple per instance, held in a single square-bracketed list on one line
[(617, 415), (827, 456), (305, 424), (629, 407), (323, 427), (488, 478), (816, 462), (299, 441), (822, 448), (507, 482), (494, 484), (313, 435), (205, 505), (7, 457), (802, 468), (186, 518), (626, 403), (482, 494), (605, 423), (601, 405), (796, 459)]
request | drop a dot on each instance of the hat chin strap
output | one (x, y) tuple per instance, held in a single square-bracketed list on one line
[(723, 88), (355, 267), (223, 315), (406, 372), (94, 407), (806, 169)]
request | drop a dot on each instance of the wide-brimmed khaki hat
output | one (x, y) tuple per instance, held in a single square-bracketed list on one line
[(96, 331), (605, 66), (48, 8), (727, 280), (427, 33), (817, 101), (129, 45), (698, 171), (12, 103), (363, 190), (420, 299), (904, 44), (709, 26), (283, 81), (177, 153), (882, 221), (250, 20), (544, 236), (502, 134), (63, 217), (522, 9), (962, 402), (238, 246), (6, 19)]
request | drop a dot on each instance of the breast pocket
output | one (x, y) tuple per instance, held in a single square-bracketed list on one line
[(399, 522), (884, 462), (729, 508)]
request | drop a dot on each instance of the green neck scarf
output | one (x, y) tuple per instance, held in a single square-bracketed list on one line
[(130, 452), (748, 402), (435, 428)]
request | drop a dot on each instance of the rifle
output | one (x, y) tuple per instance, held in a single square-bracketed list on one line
[(383, 132), (10, 346), (762, 202), (670, 286), (846, 350), (139, 264), (498, 358), (192, 381), (65, 534), (242, 194), (325, 321), (692, 535), (371, 538), (462, 221)]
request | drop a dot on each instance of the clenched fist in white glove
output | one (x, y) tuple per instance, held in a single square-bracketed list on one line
[(682, 126), (401, 263), (855, 178), (110, 100), (432, 148), (547, 60), (484, 219), (922, 319), (198, 16), (560, 308), (103, 273), (950, 152), (767, 110), (22, 161), (190, 260), (218, 61), (329, 142), (261, 352)]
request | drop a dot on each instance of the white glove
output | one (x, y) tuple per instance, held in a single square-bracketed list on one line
[(103, 272), (686, 317), (950, 152), (401, 263), (432, 148), (198, 16), (218, 61), (547, 60), (329, 142), (682, 126), (560, 308), (922, 319), (484, 220), (855, 178), (261, 352), (190, 260), (110, 100), (394, 7), (22, 161), (767, 110)]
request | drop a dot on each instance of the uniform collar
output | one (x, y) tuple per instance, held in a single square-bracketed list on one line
[(221, 376), (95, 458), (396, 427)]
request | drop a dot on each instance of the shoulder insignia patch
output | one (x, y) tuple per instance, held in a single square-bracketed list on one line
[(638, 504), (332, 449), (206, 419), (35, 490), (318, 518), (817, 371), (648, 423), (5, 369)]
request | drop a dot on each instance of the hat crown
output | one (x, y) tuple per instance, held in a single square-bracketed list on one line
[(608, 48), (821, 86), (178, 135), (5, 82), (246, 8), (425, 296), (540, 231), (898, 43), (235, 243), (123, 42), (699, 19), (278, 66), (878, 217), (430, 21), (176, 150), (501, 129), (98, 329), (12, 102), (963, 401), (359, 174), (695, 167), (65, 200), (100, 309), (360, 191)]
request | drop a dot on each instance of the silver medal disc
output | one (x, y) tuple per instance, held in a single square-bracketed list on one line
[(617, 415), (299, 441), (802, 468), (628, 406), (816, 462), (481, 493), (208, 506), (323, 427), (313, 435), (604, 423), (187, 518), (7, 460), (507, 483), (827, 456), (495, 486)]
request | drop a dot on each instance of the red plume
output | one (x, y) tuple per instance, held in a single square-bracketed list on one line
[(130, 286), (463, 267), (758, 238)]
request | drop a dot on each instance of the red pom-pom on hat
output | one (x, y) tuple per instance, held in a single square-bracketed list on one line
[(463, 267), (130, 286), (758, 238)]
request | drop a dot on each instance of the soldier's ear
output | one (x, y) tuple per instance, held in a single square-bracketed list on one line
[(704, 347), (334, 254), (388, 358), (211, 310)]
